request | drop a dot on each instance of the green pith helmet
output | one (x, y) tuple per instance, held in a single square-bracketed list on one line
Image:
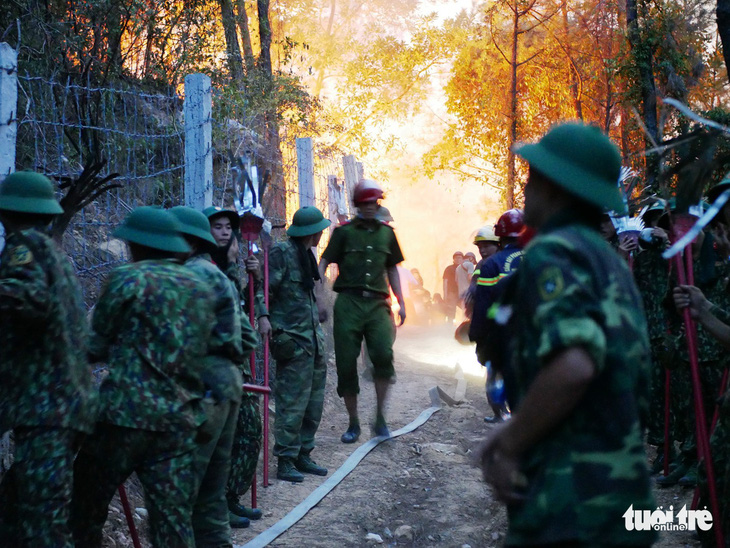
[(29, 192), (214, 211), (193, 223), (307, 220), (153, 227), (581, 160)]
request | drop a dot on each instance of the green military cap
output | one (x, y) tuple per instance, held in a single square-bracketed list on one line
[(193, 223), (214, 211), (307, 220), (28, 192), (580, 159), (153, 227)]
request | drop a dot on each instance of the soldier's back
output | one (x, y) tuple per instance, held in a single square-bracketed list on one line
[(154, 320), (45, 379)]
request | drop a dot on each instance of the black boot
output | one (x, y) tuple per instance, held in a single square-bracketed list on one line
[(240, 510), (304, 463), (287, 471)]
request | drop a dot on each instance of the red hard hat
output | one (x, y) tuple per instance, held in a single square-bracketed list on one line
[(367, 190), (509, 224)]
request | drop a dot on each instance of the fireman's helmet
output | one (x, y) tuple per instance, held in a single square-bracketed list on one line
[(485, 234), (510, 224), (367, 190)]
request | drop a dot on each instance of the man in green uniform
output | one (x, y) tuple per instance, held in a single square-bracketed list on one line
[(225, 229), (297, 345), (45, 380), (228, 348), (571, 462), (366, 252), (152, 325)]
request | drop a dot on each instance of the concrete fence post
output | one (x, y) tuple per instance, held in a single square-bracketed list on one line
[(198, 141), (305, 171)]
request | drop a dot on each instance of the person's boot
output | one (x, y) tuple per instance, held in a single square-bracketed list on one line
[(657, 466), (352, 434), (305, 464), (287, 471), (380, 428), (673, 477), (690, 478), (238, 522), (240, 510)]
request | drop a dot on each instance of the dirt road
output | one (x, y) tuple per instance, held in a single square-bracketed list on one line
[(419, 489)]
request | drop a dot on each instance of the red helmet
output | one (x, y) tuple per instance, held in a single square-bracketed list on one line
[(509, 224), (367, 190)]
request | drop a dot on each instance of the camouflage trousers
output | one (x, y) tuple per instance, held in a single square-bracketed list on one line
[(720, 451), (35, 494), (163, 462), (710, 377), (299, 399), (246, 446), (211, 525)]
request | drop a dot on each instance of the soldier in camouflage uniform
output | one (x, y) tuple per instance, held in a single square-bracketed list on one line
[(152, 325), (231, 343), (224, 226), (716, 321), (45, 380), (571, 461), (651, 273), (367, 253), (297, 345)]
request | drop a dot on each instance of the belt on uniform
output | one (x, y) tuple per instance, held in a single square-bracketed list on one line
[(364, 293)]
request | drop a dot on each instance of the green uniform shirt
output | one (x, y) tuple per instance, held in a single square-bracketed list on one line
[(293, 309), (45, 379), (363, 251), (573, 290), (152, 324)]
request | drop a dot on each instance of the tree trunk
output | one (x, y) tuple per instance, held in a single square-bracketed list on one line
[(509, 192), (645, 65), (321, 67), (574, 77), (245, 36), (723, 28), (233, 51), (276, 207), (643, 57)]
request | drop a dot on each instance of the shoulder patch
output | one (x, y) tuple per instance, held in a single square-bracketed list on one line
[(20, 255), (550, 283)]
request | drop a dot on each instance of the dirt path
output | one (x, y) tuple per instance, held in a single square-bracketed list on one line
[(419, 489)]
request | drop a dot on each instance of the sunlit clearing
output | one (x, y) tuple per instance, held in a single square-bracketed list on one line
[(435, 345)]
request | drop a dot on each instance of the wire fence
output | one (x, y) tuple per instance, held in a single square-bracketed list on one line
[(63, 128)]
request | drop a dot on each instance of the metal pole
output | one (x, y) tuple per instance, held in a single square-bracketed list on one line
[(266, 373), (128, 514)]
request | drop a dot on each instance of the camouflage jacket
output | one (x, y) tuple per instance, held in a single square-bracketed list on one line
[(152, 324), (259, 306), (651, 273), (45, 379), (232, 340), (292, 308), (363, 251), (573, 290)]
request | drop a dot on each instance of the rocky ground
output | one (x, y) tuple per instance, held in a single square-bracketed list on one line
[(419, 489)]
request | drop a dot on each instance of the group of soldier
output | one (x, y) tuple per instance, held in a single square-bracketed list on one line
[(171, 328), (556, 315)]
